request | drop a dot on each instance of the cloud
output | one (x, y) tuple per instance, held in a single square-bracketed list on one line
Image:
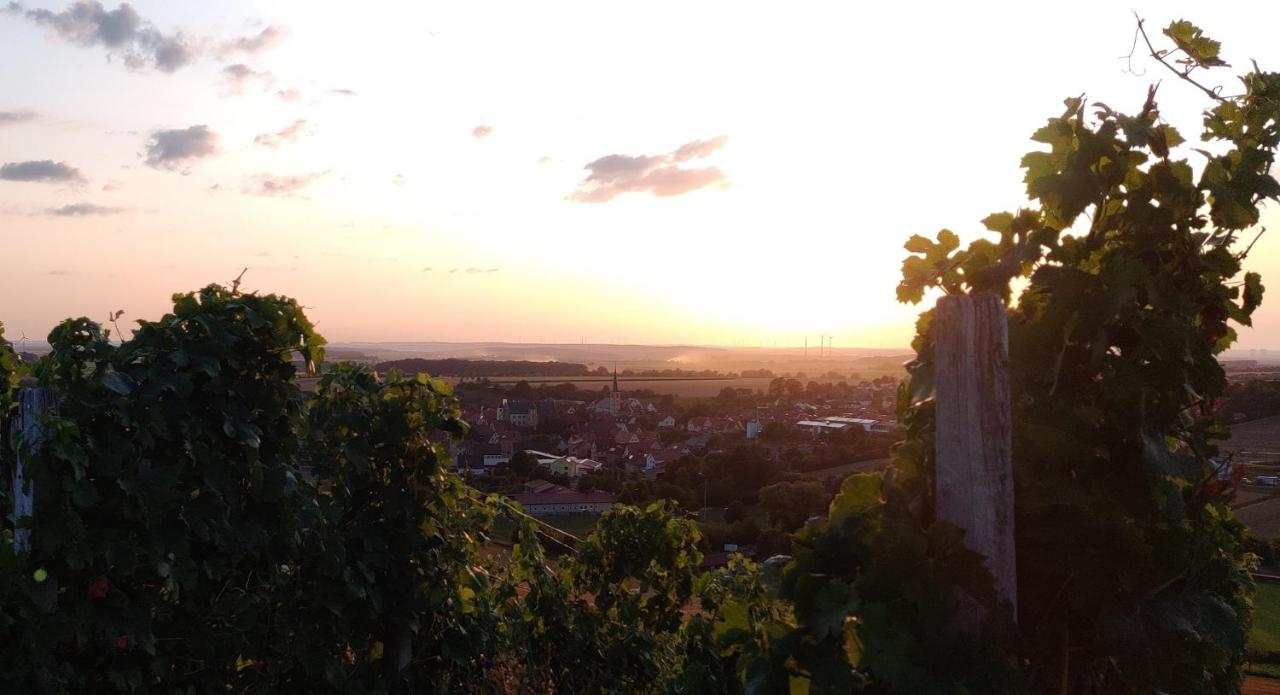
[(83, 210), (45, 170), (238, 77), (112, 185), (660, 175), (288, 134), (481, 132), (341, 92), (121, 31), (699, 149), (171, 149), (288, 94), (426, 269), (266, 39), (276, 186), (477, 271), (17, 117)]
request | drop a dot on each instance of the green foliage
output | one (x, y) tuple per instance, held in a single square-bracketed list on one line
[(1200, 49), (201, 528), (1132, 575), (733, 643), (8, 372), (609, 619), (789, 504), (166, 499), (1264, 637), (390, 589)]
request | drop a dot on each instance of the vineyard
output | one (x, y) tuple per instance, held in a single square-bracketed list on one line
[(198, 524)]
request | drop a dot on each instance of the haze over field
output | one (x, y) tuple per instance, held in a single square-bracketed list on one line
[(706, 173)]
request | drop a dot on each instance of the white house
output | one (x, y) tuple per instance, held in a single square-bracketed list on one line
[(819, 426)]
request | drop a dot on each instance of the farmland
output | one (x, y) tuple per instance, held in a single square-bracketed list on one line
[(693, 387), (1265, 633), (1259, 439), (1256, 444)]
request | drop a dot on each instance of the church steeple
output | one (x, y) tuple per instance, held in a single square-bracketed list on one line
[(615, 396)]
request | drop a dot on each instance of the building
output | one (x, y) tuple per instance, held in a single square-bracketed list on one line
[(538, 485), (820, 426), (876, 426), (482, 457), (519, 413), (570, 466), (699, 424), (552, 503), (862, 422)]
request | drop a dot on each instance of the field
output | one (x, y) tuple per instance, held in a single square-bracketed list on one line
[(1265, 633), (853, 364), (691, 387), (1257, 445), (1257, 438)]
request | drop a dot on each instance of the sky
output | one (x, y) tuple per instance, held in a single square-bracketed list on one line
[(663, 172)]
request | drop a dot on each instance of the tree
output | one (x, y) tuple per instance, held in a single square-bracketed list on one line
[(779, 432), (790, 503), (523, 464), (734, 512)]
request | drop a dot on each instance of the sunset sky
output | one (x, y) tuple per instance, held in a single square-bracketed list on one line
[(694, 172)]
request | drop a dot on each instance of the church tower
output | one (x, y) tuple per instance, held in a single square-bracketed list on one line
[(615, 396)]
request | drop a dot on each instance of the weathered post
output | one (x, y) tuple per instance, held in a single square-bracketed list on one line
[(974, 430), (29, 438)]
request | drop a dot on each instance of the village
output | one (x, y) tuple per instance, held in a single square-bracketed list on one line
[(562, 457)]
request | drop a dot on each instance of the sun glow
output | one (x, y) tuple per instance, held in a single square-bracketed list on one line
[(426, 146)]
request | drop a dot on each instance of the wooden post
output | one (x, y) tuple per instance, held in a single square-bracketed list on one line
[(974, 430), (30, 435)]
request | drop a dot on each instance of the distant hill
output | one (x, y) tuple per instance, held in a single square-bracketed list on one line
[(481, 368)]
